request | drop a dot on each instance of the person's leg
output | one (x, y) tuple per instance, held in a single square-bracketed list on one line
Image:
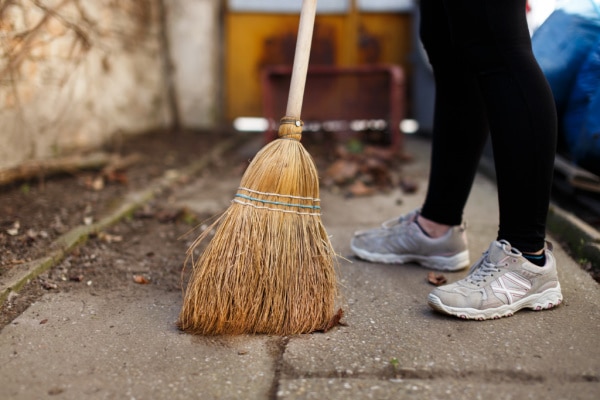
[(495, 43), (493, 37), (459, 128), (435, 237)]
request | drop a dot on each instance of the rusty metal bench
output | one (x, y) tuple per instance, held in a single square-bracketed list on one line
[(339, 98)]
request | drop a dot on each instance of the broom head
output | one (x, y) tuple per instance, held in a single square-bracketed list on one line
[(270, 266)]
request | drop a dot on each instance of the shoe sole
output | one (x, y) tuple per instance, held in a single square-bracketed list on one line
[(538, 301), (456, 262)]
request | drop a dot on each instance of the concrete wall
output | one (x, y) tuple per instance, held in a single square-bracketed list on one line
[(193, 31), (76, 73)]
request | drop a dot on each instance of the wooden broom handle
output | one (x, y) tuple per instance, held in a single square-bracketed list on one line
[(300, 68)]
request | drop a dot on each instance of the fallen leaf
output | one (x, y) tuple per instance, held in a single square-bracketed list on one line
[(341, 151), (166, 216), (436, 279), (94, 182), (14, 230), (76, 278), (55, 391), (31, 234), (373, 164), (141, 279), (381, 153), (108, 238), (144, 214), (48, 285), (42, 322), (358, 189), (335, 320), (117, 177), (342, 171), (408, 185)]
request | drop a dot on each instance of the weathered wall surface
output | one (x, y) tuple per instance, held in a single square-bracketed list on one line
[(194, 41), (75, 73)]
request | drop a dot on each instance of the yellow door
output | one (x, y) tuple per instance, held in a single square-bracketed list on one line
[(347, 33)]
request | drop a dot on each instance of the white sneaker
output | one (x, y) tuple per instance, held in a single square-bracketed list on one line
[(499, 284), (401, 241)]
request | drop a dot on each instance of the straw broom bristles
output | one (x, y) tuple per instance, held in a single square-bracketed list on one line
[(270, 266)]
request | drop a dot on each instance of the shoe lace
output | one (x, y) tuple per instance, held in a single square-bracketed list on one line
[(484, 270), (402, 220)]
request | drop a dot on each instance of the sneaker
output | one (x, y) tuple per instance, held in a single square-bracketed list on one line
[(499, 284), (401, 241)]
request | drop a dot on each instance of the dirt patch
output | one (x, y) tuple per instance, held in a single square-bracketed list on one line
[(33, 214), (147, 244)]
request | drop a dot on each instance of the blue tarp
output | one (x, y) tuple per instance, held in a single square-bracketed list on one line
[(567, 47)]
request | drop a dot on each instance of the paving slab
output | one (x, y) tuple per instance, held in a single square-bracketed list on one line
[(124, 346)]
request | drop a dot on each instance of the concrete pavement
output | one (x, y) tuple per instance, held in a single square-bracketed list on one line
[(124, 345)]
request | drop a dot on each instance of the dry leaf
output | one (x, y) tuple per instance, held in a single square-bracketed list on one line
[(436, 279), (48, 285), (381, 153), (117, 177), (335, 320), (94, 182), (358, 189), (76, 278), (141, 279), (144, 212), (55, 391), (108, 238), (408, 185), (342, 171), (14, 230), (166, 216)]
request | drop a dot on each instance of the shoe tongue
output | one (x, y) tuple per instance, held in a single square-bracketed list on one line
[(498, 251)]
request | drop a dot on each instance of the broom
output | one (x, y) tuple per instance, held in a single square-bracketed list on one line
[(270, 266)]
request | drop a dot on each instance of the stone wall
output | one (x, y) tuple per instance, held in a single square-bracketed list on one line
[(77, 73)]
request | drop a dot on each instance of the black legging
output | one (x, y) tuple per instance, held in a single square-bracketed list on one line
[(487, 79)]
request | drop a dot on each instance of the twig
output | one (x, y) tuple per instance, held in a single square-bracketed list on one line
[(44, 168)]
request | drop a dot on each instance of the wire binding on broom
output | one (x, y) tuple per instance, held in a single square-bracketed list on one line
[(278, 195), (274, 209), (277, 203)]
